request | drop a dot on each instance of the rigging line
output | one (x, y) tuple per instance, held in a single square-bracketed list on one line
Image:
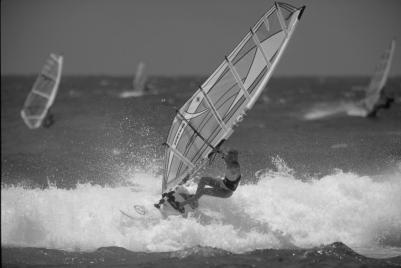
[(196, 132)]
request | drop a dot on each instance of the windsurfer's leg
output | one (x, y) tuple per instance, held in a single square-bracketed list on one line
[(218, 192), (388, 102), (372, 114), (201, 190), (48, 121), (384, 104)]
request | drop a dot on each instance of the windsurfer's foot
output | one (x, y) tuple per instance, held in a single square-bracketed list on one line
[(180, 207), (194, 204)]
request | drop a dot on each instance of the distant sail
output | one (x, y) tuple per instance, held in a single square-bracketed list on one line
[(43, 93), (140, 79), (379, 79), (138, 83), (221, 102)]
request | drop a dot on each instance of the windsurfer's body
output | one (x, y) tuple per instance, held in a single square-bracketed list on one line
[(48, 121), (222, 188), (384, 102)]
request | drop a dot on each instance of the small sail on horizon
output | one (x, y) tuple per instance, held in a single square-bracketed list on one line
[(379, 78), (138, 83), (43, 93), (207, 119)]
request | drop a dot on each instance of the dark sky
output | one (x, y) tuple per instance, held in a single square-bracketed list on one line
[(334, 37)]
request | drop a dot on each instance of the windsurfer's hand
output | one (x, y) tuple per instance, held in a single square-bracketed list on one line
[(186, 177), (223, 154)]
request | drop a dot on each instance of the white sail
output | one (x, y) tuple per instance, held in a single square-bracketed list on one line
[(379, 78), (221, 102), (43, 92), (138, 83)]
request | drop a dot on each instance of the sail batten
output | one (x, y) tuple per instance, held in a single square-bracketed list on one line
[(179, 155), (257, 43), (207, 119), (213, 109), (237, 78), (280, 18), (44, 95), (266, 23)]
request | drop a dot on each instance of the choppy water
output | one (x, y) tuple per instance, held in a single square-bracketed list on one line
[(308, 180)]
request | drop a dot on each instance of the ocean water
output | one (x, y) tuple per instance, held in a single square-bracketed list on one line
[(315, 174)]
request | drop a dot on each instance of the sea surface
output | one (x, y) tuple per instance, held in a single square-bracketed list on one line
[(321, 185)]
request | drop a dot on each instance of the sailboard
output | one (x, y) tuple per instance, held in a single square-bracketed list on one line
[(379, 78), (43, 93), (138, 83), (207, 119)]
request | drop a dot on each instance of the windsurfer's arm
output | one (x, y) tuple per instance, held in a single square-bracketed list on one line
[(233, 170)]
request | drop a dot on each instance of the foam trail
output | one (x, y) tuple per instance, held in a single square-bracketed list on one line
[(277, 212), (324, 110), (131, 94)]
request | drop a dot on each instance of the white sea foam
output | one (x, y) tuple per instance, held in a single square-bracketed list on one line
[(277, 212), (131, 94), (323, 110)]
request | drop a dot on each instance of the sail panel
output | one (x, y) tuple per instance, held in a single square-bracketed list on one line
[(248, 67)]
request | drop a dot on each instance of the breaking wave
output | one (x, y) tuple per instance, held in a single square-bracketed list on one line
[(279, 211)]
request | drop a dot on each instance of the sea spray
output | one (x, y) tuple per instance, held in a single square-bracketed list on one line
[(324, 110), (279, 211)]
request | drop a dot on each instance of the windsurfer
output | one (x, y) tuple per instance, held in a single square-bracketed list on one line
[(222, 188), (49, 120)]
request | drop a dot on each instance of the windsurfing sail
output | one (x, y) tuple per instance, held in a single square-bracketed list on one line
[(43, 92), (208, 117), (139, 81), (379, 78)]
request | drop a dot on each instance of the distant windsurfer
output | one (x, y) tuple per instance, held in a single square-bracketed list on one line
[(376, 98), (222, 188), (384, 102), (48, 121)]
